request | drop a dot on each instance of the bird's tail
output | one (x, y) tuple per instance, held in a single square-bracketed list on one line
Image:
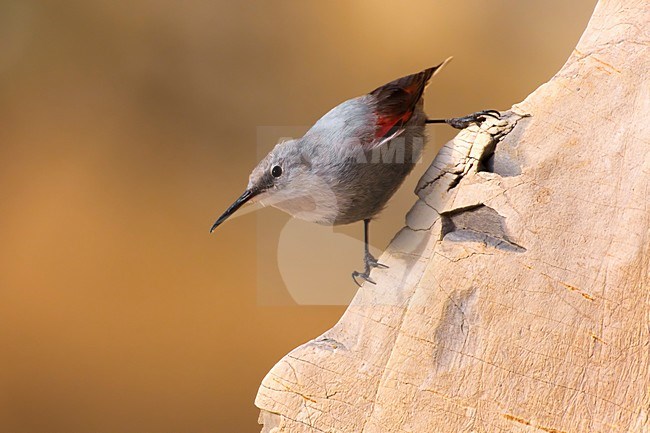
[(396, 101)]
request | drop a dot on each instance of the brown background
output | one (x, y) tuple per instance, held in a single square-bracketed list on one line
[(126, 128)]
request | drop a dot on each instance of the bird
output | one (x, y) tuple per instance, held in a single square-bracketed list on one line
[(349, 164)]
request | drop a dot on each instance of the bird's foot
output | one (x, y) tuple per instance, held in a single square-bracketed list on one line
[(365, 275), (370, 262), (478, 118)]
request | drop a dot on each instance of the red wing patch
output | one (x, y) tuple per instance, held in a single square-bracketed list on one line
[(396, 101), (388, 125)]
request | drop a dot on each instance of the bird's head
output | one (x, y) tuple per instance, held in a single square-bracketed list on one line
[(282, 179)]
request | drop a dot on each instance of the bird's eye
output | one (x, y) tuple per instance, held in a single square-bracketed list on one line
[(276, 171)]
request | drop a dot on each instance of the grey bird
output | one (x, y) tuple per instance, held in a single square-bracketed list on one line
[(352, 161)]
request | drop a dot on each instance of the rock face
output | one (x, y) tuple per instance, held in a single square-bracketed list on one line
[(518, 295)]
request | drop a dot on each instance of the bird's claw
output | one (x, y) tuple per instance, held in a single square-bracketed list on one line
[(370, 262), (363, 275), (478, 118)]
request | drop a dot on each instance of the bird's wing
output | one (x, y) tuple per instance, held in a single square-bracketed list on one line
[(396, 102)]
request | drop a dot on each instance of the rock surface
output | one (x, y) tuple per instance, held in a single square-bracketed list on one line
[(518, 296)]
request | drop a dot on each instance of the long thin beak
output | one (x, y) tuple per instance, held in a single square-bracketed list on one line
[(247, 195)]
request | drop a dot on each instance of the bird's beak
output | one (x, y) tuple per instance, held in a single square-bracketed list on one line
[(247, 195)]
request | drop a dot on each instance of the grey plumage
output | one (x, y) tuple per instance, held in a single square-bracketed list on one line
[(351, 162)]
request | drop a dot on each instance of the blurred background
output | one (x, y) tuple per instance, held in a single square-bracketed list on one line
[(127, 127)]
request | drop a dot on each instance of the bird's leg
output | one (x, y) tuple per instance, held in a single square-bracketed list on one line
[(465, 121), (368, 259)]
